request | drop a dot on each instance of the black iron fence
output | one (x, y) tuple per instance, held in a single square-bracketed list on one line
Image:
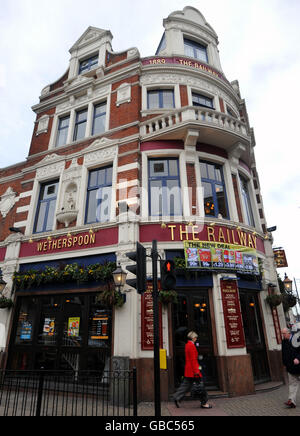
[(74, 393)]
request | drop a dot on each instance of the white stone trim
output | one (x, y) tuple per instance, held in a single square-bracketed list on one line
[(128, 167)]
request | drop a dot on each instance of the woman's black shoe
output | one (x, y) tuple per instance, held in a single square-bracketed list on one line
[(176, 403)]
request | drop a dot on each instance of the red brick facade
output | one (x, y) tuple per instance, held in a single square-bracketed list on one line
[(137, 132)]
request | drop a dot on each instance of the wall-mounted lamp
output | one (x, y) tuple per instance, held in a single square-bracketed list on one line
[(288, 284), (119, 276)]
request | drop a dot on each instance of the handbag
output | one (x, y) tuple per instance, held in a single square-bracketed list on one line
[(198, 390)]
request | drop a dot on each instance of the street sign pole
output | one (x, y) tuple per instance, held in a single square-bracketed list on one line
[(157, 404)]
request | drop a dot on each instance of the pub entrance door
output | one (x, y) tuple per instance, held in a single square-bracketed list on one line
[(192, 313), (60, 332), (254, 335)]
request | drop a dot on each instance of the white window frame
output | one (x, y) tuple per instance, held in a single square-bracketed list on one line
[(232, 209), (251, 191), (158, 86), (98, 162), (199, 42), (85, 58), (89, 105), (202, 42), (171, 153), (192, 90), (42, 176)]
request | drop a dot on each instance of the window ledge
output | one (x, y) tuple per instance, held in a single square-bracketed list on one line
[(146, 112)]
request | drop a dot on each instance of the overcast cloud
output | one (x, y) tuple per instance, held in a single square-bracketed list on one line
[(259, 46)]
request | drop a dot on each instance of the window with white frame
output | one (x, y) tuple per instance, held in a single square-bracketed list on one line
[(160, 99), (62, 131), (88, 64), (230, 112), (195, 50), (249, 219), (99, 193), (215, 200), (99, 118), (80, 125), (164, 187), (44, 219), (202, 100)]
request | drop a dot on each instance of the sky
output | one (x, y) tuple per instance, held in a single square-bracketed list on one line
[(259, 47)]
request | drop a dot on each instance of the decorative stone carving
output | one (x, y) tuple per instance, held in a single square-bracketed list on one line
[(66, 217), (45, 90), (132, 52), (124, 94), (67, 212), (43, 125), (7, 202), (101, 150), (52, 165)]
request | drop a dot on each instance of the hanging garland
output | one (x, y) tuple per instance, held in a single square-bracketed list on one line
[(63, 274)]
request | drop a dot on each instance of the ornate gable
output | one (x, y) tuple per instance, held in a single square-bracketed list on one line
[(90, 36)]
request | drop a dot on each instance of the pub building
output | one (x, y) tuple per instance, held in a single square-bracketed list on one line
[(128, 149)]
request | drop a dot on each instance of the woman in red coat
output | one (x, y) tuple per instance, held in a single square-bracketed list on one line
[(191, 371)]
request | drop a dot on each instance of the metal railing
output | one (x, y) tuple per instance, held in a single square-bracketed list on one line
[(72, 393)]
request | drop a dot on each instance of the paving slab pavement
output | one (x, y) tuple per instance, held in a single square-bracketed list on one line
[(268, 402)]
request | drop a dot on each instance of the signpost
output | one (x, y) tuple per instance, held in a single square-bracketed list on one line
[(232, 314)]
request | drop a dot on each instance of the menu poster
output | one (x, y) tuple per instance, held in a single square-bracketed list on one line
[(213, 255), (99, 327), (49, 327), (232, 314), (73, 327), (147, 330), (26, 331)]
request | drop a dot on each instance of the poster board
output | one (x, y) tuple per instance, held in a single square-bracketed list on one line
[(218, 256)]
